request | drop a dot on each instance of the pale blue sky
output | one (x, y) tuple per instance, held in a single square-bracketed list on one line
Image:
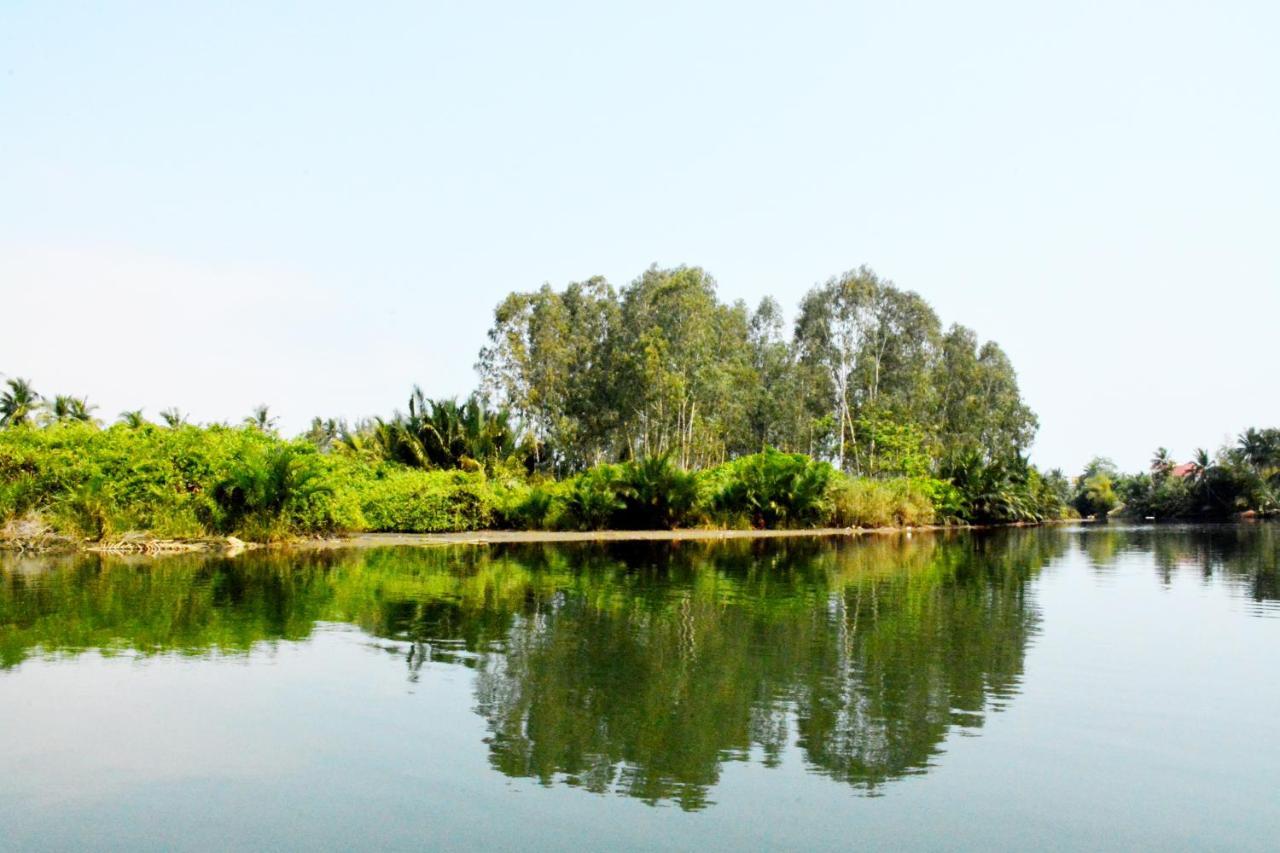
[(316, 204)]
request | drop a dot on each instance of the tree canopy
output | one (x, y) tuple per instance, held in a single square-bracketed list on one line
[(866, 377)]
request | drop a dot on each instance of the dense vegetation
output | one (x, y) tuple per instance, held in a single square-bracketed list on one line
[(1241, 478), (653, 406), (868, 378)]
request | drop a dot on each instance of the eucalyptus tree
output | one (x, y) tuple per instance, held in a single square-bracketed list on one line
[(550, 359), (876, 350), (980, 407), (684, 357), (18, 403), (662, 365), (779, 413), (832, 329)]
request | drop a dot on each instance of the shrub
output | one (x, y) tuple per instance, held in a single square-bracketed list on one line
[(860, 502), (595, 498), (539, 506), (656, 494), (415, 501), (772, 489)]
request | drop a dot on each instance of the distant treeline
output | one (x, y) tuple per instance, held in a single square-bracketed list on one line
[(1239, 478), (656, 405)]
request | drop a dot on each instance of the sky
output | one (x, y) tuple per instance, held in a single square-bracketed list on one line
[(316, 205)]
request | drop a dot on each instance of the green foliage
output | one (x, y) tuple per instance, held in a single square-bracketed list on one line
[(1244, 478), (18, 403), (64, 407), (415, 501), (537, 506), (1096, 495), (441, 434), (1005, 490), (862, 502), (179, 482), (866, 379), (656, 494), (773, 489), (594, 498), (271, 492)]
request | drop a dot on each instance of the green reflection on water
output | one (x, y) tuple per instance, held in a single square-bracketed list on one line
[(639, 669)]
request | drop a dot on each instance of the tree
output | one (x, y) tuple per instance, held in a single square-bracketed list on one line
[(1095, 488), (551, 360), (18, 403), (260, 418), (777, 411), (323, 433), (867, 378), (446, 434), (67, 408), (1161, 463), (173, 418), (831, 331), (682, 355)]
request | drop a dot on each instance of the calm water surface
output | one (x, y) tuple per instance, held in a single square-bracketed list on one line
[(1092, 688)]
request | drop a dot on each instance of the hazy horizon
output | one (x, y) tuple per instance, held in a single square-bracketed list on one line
[(317, 206)]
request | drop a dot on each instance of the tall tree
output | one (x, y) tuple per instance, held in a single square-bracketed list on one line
[(832, 330)]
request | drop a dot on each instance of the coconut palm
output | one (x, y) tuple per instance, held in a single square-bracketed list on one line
[(19, 403), (260, 418), (1260, 448), (1200, 465), (67, 408), (132, 418), (1162, 462), (324, 433)]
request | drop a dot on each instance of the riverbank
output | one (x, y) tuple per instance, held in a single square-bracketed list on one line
[(141, 544)]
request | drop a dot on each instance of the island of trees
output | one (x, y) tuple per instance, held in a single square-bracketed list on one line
[(653, 405)]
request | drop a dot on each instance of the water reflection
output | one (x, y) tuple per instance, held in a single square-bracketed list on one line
[(1243, 556), (635, 669)]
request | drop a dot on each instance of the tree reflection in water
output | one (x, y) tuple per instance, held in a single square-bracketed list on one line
[(638, 669)]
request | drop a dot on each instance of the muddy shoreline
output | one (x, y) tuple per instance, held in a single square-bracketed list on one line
[(141, 544)]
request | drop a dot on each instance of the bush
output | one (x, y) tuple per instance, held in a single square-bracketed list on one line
[(859, 502), (191, 481), (183, 482), (656, 494), (415, 501), (595, 498), (772, 489)]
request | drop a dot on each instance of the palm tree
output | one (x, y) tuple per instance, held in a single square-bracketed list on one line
[(173, 418), (18, 403), (324, 433), (132, 418), (444, 433), (1161, 462), (260, 418), (1200, 465), (1260, 448), (67, 408)]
